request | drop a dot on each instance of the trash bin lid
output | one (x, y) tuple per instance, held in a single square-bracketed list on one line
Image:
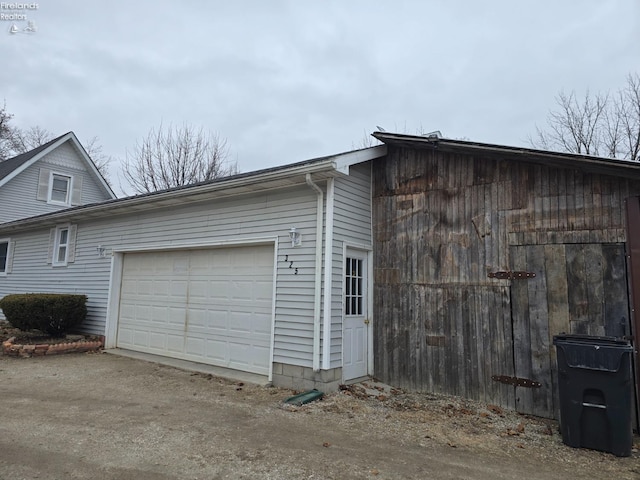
[(592, 352)]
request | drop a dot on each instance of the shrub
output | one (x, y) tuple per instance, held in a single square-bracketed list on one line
[(54, 314)]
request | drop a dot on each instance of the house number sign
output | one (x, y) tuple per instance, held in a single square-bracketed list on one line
[(290, 262)]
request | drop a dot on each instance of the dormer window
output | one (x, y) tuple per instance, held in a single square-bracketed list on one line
[(59, 189)]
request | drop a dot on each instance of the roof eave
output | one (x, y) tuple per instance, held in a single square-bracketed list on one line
[(233, 186)]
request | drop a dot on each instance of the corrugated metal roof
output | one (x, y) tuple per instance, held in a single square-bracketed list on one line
[(600, 165)]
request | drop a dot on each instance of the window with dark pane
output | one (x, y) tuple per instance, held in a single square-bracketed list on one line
[(4, 251), (353, 286)]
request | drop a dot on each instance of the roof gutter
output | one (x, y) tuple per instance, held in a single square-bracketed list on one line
[(318, 278)]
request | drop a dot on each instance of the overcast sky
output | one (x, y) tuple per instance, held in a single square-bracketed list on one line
[(285, 81)]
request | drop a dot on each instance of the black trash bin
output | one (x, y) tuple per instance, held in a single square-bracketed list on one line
[(596, 391)]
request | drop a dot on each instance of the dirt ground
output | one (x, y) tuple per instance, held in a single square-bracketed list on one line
[(101, 416)]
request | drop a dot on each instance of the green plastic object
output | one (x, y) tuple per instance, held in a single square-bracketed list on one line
[(304, 397)]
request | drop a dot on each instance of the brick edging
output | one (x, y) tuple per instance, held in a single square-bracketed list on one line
[(39, 350)]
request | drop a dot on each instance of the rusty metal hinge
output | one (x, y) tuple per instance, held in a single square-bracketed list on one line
[(518, 382), (511, 275)]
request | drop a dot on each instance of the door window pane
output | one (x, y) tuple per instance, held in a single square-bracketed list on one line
[(353, 287)]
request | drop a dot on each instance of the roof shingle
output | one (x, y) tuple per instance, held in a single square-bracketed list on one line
[(11, 164)]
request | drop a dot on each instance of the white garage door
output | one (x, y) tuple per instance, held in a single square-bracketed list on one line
[(210, 306)]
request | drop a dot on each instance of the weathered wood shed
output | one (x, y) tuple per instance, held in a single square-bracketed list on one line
[(483, 253)]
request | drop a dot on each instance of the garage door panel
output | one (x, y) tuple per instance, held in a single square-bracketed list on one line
[(179, 264), (145, 287), (141, 338), (175, 316), (199, 290), (218, 320), (197, 317), (195, 346), (159, 315), (125, 336), (217, 350), (212, 306), (263, 292), (175, 343), (178, 289), (157, 340), (245, 324), (218, 290), (162, 287)]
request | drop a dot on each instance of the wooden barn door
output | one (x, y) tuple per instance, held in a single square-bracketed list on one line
[(577, 288)]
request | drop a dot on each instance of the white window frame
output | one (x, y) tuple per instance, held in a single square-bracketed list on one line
[(58, 245), (4, 271), (67, 200)]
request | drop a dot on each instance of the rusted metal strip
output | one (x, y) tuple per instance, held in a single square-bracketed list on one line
[(511, 275), (517, 381), (633, 259)]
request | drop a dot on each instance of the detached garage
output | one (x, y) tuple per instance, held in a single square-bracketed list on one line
[(212, 306)]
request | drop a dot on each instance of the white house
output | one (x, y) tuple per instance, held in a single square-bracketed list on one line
[(265, 272), (51, 177)]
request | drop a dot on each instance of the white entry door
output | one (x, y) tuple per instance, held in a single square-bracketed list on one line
[(355, 340)]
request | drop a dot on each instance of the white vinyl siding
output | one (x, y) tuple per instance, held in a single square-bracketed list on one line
[(21, 193), (352, 226), (233, 220), (228, 221)]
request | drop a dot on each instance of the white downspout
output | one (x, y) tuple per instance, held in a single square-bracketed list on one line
[(328, 276), (318, 279)]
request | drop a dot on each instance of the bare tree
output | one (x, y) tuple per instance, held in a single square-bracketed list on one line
[(14, 141), (25, 140), (176, 156), (100, 159), (366, 141), (577, 126), (601, 124), (627, 112), (6, 148)]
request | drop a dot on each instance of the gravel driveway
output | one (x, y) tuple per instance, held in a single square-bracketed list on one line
[(100, 416)]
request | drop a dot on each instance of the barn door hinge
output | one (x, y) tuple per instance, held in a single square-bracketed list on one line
[(516, 381), (511, 275)]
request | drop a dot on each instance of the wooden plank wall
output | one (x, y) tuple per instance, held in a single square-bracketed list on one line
[(442, 222), (579, 288)]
